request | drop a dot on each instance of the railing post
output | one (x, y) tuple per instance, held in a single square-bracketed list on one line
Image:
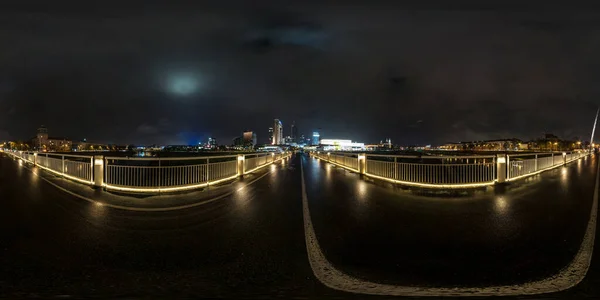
[(362, 159), (536, 163), (35, 159), (564, 158), (501, 168), (98, 170), (62, 160), (395, 167), (207, 170), (240, 164), (508, 166), (92, 169), (106, 179)]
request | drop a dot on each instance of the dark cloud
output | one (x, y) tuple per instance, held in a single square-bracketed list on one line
[(422, 74)]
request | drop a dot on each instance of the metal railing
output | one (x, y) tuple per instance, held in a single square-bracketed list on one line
[(520, 165), (254, 161), (76, 167), (347, 160), (449, 171), (436, 170), (161, 173), (148, 174)]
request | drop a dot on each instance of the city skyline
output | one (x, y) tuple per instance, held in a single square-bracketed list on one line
[(287, 134)]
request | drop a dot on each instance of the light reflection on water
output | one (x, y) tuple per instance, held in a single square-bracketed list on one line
[(501, 205), (97, 211), (504, 222), (328, 172), (564, 178), (361, 191)]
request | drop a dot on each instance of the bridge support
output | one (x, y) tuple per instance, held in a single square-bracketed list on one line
[(501, 168), (98, 171)]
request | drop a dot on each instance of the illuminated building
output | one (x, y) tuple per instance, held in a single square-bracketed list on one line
[(271, 135), (212, 143), (277, 132), (249, 138), (43, 142), (341, 145), (88, 146), (315, 138)]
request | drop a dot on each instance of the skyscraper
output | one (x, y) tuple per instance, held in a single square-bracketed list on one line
[(294, 133), (277, 132), (271, 135), (316, 137)]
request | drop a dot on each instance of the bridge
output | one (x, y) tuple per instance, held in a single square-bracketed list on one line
[(325, 225), (174, 174)]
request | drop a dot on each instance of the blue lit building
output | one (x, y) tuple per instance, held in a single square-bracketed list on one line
[(315, 138)]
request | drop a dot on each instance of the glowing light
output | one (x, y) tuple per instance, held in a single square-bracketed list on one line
[(183, 84), (501, 205)]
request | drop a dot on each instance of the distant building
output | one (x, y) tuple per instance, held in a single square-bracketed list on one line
[(88, 146), (238, 141), (316, 137), (341, 145), (212, 143), (288, 140), (302, 140), (42, 142), (487, 145), (249, 138), (294, 133), (277, 132), (270, 141), (388, 143)]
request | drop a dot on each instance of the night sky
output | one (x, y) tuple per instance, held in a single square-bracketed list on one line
[(417, 73)]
